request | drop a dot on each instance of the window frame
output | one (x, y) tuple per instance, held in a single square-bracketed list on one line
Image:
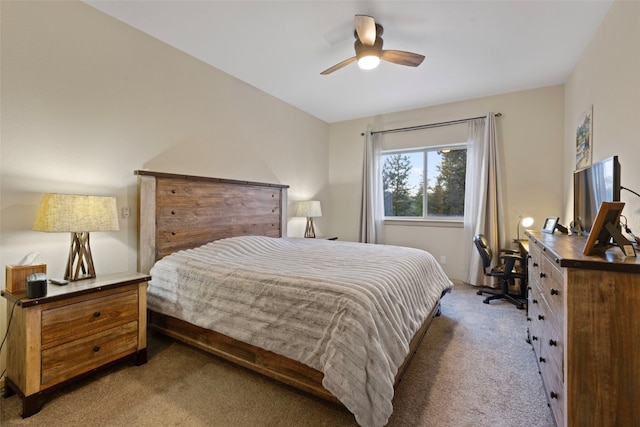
[(424, 220)]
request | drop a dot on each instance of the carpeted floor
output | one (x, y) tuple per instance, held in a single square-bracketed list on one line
[(473, 368)]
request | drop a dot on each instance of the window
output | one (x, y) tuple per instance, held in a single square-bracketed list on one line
[(406, 174)]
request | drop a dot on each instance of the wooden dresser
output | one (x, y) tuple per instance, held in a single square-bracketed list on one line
[(73, 330), (584, 326)]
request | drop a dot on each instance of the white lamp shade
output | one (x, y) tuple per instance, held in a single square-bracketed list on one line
[(75, 213), (526, 221), (309, 209)]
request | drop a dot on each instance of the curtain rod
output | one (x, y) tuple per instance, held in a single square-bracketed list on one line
[(432, 125)]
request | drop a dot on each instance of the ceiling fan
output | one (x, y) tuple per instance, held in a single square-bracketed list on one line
[(369, 51)]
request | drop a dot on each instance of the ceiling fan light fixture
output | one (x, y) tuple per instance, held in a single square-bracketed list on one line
[(368, 62), (368, 56), (368, 47)]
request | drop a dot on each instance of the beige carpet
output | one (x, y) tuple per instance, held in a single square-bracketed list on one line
[(474, 368)]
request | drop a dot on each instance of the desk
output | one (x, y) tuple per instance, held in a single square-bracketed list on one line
[(523, 247)]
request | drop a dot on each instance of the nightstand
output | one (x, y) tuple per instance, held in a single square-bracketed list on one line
[(72, 331)]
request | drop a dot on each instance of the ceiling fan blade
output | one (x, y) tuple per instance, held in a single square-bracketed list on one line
[(338, 66), (402, 58), (366, 29)]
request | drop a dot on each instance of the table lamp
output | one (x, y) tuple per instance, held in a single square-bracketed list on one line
[(78, 215), (310, 209), (526, 221)]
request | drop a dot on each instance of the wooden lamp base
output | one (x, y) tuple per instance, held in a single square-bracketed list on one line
[(309, 231), (80, 262)]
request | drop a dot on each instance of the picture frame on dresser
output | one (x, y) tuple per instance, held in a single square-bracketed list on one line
[(549, 225), (605, 228)]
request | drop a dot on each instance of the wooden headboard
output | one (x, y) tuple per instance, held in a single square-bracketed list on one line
[(182, 211)]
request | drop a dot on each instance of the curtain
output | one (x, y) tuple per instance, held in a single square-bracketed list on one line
[(372, 209), (482, 195)]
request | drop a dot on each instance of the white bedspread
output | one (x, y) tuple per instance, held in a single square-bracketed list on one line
[(346, 309)]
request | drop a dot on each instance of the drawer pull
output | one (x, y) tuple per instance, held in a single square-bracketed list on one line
[(534, 338), (96, 314), (540, 317), (543, 275), (553, 343), (554, 291), (96, 348), (528, 319), (535, 301), (535, 264), (542, 360), (173, 212), (553, 395)]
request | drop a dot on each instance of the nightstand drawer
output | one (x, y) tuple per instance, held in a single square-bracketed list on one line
[(73, 321), (76, 357)]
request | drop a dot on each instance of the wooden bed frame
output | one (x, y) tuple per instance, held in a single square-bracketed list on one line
[(179, 212)]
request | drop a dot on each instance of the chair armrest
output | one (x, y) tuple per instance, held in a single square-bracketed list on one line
[(510, 261), (509, 251), (509, 257)]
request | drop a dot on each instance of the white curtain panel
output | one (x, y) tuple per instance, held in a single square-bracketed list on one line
[(372, 209), (482, 195)]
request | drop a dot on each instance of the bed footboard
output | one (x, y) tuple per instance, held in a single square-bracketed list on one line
[(272, 365), (257, 359)]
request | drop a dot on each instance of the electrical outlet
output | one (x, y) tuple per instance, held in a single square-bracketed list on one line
[(126, 211), (443, 260)]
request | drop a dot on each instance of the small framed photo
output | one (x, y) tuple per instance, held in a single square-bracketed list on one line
[(605, 227), (549, 225)]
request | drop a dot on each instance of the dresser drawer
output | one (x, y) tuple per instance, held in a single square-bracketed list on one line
[(533, 264), (552, 284), (73, 321), (534, 321), (82, 355), (555, 392)]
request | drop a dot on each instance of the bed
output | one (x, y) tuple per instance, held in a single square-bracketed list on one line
[(322, 321)]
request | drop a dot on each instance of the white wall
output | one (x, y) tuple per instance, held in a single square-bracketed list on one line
[(607, 77), (530, 140)]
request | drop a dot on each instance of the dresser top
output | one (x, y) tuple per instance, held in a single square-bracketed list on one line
[(80, 287), (567, 251)]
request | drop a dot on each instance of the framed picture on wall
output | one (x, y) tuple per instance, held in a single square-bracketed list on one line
[(584, 139)]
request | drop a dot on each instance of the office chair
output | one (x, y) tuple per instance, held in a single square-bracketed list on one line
[(511, 266)]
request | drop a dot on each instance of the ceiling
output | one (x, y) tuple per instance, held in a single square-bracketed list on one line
[(473, 48)]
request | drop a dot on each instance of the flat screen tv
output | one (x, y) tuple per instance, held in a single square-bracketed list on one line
[(597, 183)]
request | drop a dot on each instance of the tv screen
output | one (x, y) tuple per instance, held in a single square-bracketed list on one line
[(597, 183)]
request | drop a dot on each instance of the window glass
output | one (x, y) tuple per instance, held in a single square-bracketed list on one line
[(440, 170)]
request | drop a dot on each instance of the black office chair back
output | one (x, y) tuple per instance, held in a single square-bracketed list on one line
[(485, 251), (507, 272)]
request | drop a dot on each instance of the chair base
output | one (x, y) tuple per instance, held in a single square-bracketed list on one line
[(519, 303)]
